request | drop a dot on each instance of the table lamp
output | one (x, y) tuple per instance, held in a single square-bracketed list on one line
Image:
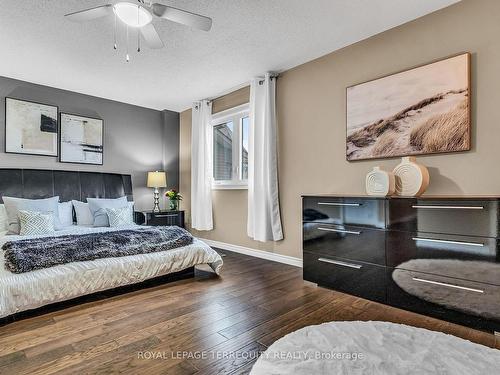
[(157, 180)]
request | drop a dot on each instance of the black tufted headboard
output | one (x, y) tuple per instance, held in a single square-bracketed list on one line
[(39, 183)]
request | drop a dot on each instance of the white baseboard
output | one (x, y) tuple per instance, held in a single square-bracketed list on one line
[(292, 261)]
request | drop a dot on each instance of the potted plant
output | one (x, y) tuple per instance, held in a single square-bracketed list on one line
[(173, 199)]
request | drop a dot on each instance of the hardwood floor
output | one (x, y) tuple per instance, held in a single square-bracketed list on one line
[(166, 329)]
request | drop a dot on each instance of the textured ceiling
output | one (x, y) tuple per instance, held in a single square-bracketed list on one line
[(248, 38)]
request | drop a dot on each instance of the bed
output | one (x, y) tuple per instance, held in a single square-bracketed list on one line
[(20, 292), (29, 290)]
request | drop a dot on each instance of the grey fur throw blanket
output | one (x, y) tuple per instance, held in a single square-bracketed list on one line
[(32, 254)]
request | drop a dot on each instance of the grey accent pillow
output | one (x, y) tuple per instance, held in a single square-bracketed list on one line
[(46, 206), (131, 211), (34, 223), (119, 217), (83, 214), (98, 208), (4, 221)]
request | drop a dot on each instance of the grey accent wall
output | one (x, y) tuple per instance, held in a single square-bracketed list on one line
[(136, 139), (171, 143)]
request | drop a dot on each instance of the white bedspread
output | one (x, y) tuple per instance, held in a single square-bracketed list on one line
[(24, 291)]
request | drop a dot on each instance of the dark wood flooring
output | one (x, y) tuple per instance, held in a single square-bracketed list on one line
[(221, 323)]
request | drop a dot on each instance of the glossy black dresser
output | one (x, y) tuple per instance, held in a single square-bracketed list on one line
[(437, 256)]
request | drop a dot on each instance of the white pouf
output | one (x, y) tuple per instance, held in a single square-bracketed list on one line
[(339, 348)]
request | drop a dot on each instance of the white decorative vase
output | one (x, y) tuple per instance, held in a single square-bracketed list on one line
[(380, 183), (412, 179)]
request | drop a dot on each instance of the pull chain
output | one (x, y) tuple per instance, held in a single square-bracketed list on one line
[(138, 30), (115, 46), (127, 57)]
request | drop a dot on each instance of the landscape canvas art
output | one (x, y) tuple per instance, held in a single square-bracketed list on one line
[(30, 128), (81, 139), (423, 110)]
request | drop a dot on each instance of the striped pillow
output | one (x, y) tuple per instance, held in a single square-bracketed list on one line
[(34, 223)]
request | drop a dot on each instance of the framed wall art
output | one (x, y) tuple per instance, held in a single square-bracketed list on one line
[(30, 127), (424, 110), (81, 140)]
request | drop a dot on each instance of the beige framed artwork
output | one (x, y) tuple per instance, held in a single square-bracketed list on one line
[(30, 128), (423, 110)]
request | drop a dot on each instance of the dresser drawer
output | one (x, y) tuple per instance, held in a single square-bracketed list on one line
[(465, 302), (464, 217), (465, 257), (356, 278), (369, 212), (347, 242)]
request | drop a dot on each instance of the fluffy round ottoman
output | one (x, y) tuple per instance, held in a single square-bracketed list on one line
[(339, 348)]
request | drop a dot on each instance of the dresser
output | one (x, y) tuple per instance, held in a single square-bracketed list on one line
[(164, 218), (437, 256)]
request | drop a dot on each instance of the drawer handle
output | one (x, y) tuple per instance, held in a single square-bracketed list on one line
[(450, 207), (340, 263), (449, 242), (339, 204), (175, 215), (448, 285), (340, 231)]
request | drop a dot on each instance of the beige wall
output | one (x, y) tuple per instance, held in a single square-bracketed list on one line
[(311, 117), (231, 100)]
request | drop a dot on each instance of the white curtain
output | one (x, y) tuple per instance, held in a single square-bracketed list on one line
[(264, 219), (201, 166)]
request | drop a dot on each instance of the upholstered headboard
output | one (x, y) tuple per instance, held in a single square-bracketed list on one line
[(39, 183)]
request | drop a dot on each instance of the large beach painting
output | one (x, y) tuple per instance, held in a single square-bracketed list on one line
[(424, 110)]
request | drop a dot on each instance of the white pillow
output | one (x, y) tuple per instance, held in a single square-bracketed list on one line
[(66, 214), (4, 221), (34, 223), (119, 217), (14, 205), (83, 214)]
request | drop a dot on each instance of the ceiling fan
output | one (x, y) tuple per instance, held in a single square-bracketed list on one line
[(139, 16)]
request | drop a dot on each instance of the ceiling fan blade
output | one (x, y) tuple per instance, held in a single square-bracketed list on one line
[(182, 16), (90, 14), (151, 36)]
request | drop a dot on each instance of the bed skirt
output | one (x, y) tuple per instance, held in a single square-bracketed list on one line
[(188, 273)]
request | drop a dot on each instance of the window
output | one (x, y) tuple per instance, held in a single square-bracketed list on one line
[(223, 151), (245, 124), (230, 148)]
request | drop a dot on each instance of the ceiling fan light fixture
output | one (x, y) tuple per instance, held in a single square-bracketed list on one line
[(132, 15)]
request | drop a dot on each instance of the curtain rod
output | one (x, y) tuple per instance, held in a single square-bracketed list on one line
[(272, 76), (260, 82)]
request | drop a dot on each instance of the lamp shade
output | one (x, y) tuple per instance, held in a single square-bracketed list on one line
[(157, 179)]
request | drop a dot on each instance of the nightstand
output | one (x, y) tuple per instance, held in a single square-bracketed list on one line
[(164, 218)]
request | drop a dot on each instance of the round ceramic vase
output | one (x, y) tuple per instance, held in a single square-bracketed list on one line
[(412, 179), (380, 183)]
